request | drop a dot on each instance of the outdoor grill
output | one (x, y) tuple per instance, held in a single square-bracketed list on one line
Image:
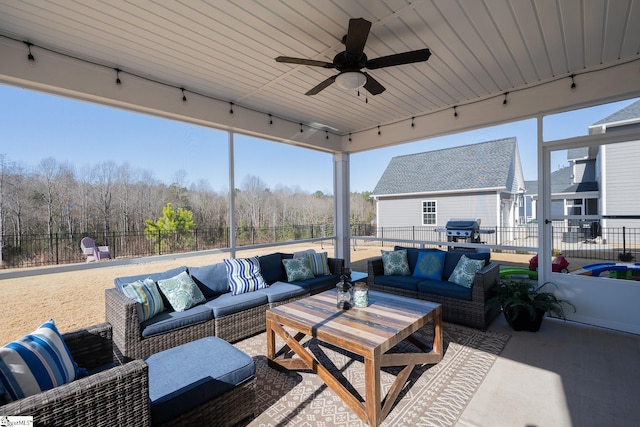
[(464, 230)]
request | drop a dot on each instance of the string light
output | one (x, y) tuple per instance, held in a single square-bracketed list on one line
[(326, 132), (31, 58), (30, 55)]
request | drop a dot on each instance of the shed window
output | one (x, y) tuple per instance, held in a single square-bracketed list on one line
[(429, 212)]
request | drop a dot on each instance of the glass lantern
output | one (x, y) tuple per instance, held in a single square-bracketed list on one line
[(344, 294), (361, 295)]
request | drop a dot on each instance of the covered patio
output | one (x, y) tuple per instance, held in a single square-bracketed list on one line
[(492, 62)]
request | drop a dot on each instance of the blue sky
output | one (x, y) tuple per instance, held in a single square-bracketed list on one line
[(34, 126)]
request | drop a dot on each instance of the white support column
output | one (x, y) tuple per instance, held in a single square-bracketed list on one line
[(232, 199), (341, 206), (545, 240)]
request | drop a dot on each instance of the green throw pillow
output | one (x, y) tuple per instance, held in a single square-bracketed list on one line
[(429, 265), (465, 271), (181, 291), (298, 269), (395, 263)]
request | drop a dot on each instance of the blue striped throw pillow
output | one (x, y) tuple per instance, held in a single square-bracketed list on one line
[(36, 362), (244, 275), (148, 298), (319, 264)]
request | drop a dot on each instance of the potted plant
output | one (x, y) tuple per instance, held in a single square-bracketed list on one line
[(524, 305)]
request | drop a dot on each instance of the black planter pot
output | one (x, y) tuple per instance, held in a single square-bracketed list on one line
[(522, 321)]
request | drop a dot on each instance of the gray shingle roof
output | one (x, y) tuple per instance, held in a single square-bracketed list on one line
[(630, 112), (475, 166), (561, 183)]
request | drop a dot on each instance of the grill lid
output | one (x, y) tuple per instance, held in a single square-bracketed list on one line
[(463, 224)]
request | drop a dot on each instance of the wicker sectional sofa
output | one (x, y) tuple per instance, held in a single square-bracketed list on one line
[(465, 306), (227, 316)]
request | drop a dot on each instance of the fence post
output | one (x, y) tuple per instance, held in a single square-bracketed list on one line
[(196, 236), (112, 250), (57, 251), (159, 242)]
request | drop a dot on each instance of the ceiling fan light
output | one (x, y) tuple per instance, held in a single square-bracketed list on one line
[(350, 80)]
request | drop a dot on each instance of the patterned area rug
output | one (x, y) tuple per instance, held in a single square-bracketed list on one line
[(435, 395)]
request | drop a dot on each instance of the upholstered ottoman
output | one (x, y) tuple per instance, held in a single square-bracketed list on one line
[(204, 382)]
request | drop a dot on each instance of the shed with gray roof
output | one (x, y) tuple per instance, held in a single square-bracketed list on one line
[(472, 181)]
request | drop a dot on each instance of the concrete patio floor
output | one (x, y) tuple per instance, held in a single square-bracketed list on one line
[(566, 374)]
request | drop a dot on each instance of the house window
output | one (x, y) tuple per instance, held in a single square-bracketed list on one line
[(429, 212)]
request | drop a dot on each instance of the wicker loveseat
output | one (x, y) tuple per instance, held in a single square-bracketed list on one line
[(465, 306), (227, 316)]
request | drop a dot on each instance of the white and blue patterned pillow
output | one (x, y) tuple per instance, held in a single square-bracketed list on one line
[(319, 264), (395, 263), (181, 291), (36, 362), (465, 271), (298, 269), (244, 275), (148, 298)]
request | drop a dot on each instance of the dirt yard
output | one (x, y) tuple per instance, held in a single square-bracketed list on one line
[(76, 299)]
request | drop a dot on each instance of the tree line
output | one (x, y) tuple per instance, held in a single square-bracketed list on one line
[(55, 197)]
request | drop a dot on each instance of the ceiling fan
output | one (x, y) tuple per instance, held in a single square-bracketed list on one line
[(350, 62)]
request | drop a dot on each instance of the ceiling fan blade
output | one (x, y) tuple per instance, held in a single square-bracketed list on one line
[(398, 59), (373, 86), (357, 36), (322, 86), (303, 61)]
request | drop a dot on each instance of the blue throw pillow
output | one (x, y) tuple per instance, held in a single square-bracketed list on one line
[(36, 362), (429, 265)]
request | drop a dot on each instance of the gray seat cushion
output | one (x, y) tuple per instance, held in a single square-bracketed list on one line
[(282, 291), (445, 289), (227, 304), (191, 374), (172, 320), (408, 283)]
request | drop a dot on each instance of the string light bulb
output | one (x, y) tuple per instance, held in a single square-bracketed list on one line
[(379, 133), (30, 56), (118, 81), (349, 136), (504, 101), (270, 119), (412, 122), (301, 130), (231, 108), (184, 97), (326, 133), (573, 82), (455, 111)]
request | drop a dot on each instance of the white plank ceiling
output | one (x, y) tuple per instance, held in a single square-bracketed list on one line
[(226, 49)]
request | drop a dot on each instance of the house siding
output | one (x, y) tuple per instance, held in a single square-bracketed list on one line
[(407, 211), (621, 190)]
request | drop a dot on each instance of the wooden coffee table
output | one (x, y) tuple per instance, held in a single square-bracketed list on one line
[(369, 332)]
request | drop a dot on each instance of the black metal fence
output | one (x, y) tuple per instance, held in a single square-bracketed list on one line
[(31, 250), (605, 244), (608, 244)]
